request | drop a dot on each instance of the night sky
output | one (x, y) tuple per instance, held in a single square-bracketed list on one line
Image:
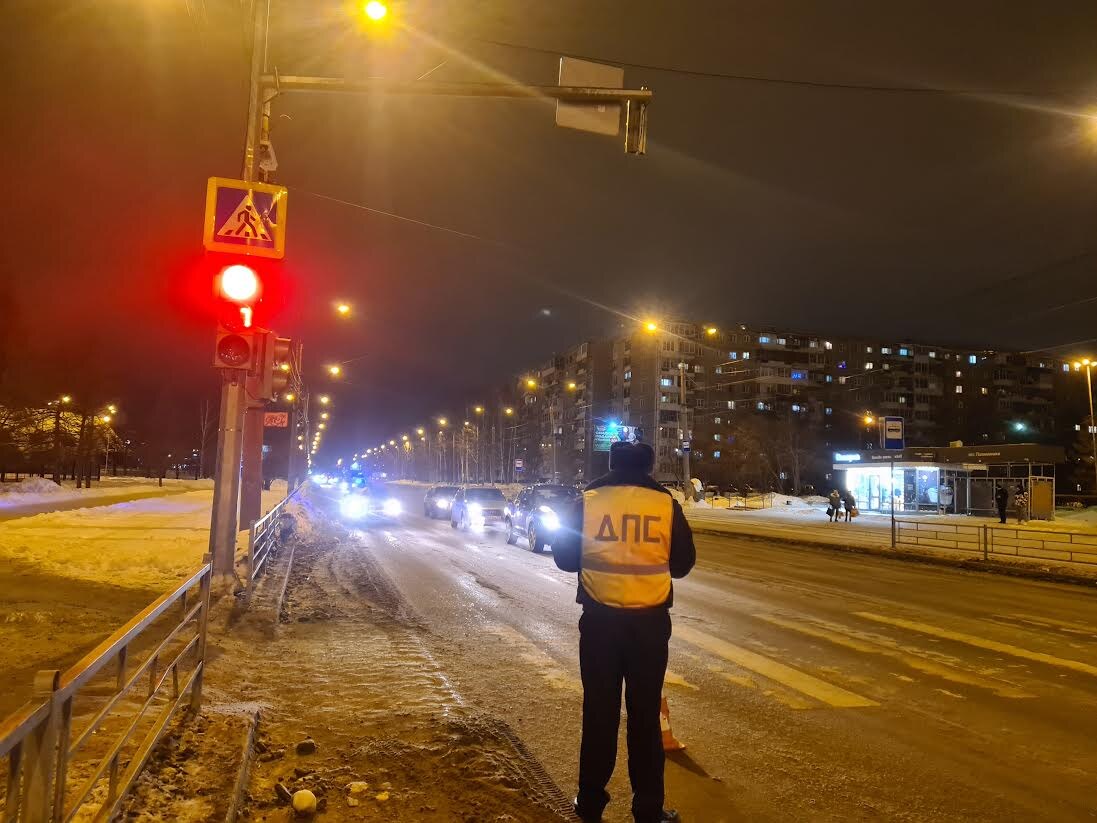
[(790, 199)]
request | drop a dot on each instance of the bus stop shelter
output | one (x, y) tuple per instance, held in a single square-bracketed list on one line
[(951, 479)]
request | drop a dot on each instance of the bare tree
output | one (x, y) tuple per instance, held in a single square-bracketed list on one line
[(206, 422)]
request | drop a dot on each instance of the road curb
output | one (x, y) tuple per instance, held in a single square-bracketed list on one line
[(967, 564)]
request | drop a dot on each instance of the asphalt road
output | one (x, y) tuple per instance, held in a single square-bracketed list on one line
[(807, 684)]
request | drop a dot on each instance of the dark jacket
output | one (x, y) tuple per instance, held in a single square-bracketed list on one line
[(567, 546), (1001, 497)]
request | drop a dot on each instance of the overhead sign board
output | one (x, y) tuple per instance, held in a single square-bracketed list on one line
[(891, 433), (598, 117), (246, 218), (605, 435), (276, 420)]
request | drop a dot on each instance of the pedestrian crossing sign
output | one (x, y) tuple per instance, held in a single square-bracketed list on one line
[(247, 218)]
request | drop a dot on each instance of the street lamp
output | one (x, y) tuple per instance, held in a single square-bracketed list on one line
[(869, 419), (531, 383), (335, 371), (375, 10), (479, 409), (572, 385), (1089, 364), (342, 309), (651, 327), (442, 421), (289, 397), (324, 415), (324, 399), (419, 432), (508, 411), (65, 398), (711, 331)]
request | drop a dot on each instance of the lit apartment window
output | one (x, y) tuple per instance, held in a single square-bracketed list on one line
[(719, 369), (959, 389), (763, 338), (796, 407), (885, 350), (1066, 367), (716, 420), (716, 437), (813, 344), (933, 355), (902, 398), (828, 345), (828, 410), (798, 374), (904, 352), (1077, 427), (830, 378), (666, 382), (983, 390), (716, 454), (887, 367), (761, 406), (972, 359), (868, 349), (731, 405), (959, 373), (868, 367), (842, 381), (746, 355), (733, 355), (628, 375), (780, 341)]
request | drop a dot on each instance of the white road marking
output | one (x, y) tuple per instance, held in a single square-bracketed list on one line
[(982, 643), (794, 679)]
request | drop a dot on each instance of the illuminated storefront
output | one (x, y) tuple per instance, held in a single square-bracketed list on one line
[(949, 480)]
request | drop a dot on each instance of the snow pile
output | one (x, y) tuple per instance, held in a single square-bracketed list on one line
[(150, 543), (31, 485)]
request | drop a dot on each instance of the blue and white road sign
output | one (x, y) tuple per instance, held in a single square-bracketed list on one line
[(247, 218), (891, 433)]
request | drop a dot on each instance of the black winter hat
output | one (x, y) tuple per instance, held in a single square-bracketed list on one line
[(631, 457)]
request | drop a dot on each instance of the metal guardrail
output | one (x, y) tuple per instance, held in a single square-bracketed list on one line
[(37, 740), (263, 538), (993, 541)]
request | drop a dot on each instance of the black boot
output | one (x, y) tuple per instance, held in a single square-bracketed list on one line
[(590, 812)]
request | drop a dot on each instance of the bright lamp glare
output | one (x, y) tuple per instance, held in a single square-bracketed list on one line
[(376, 10), (353, 506), (238, 282), (391, 507)]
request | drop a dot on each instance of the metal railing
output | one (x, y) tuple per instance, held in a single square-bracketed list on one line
[(263, 538), (46, 780), (994, 541)]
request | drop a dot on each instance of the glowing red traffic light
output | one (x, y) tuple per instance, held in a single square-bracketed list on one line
[(239, 283)]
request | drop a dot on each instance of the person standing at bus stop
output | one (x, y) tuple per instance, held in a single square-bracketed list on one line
[(1001, 501), (626, 537)]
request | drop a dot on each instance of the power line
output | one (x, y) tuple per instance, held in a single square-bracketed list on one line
[(759, 78)]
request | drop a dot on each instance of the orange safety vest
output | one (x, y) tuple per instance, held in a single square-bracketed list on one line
[(626, 546)]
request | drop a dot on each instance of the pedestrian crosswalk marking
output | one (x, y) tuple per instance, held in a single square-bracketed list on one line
[(982, 643), (794, 679), (537, 659), (840, 636), (1045, 623)]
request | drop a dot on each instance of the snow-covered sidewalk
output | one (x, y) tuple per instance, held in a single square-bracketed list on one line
[(149, 543), (36, 495)]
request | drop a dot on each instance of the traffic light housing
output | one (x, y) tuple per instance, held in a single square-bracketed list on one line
[(277, 364), (236, 349)]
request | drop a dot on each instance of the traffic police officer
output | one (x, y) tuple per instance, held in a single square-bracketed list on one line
[(626, 537)]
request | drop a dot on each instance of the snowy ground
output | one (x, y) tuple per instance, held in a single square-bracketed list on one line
[(34, 491)]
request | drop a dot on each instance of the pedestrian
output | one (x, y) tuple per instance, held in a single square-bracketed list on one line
[(626, 537), (850, 503), (1020, 500), (835, 500), (1001, 500)]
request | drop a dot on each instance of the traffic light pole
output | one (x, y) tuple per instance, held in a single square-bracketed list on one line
[(226, 494)]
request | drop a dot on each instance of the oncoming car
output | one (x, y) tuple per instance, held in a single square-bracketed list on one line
[(535, 514), (438, 500), (370, 501), (477, 507)]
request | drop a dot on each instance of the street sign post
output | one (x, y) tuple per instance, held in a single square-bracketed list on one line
[(600, 117), (245, 218), (892, 439)]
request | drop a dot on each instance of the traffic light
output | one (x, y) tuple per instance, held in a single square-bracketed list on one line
[(277, 364), (238, 288)]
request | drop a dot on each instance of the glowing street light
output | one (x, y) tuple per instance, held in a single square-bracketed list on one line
[(375, 10), (711, 331), (531, 383), (572, 385), (342, 309), (112, 409), (651, 326), (479, 409), (419, 432), (324, 399), (66, 398), (869, 419), (289, 397), (335, 370), (508, 411), (442, 421), (404, 437), (322, 426), (325, 415)]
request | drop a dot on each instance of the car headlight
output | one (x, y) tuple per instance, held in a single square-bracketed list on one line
[(475, 510), (549, 518), (442, 503), (391, 507), (353, 506), (344, 485)]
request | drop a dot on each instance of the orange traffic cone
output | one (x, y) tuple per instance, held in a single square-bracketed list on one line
[(670, 742)]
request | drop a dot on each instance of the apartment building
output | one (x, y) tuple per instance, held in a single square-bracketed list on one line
[(681, 381)]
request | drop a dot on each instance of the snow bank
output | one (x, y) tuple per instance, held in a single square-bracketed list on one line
[(31, 485), (151, 543)]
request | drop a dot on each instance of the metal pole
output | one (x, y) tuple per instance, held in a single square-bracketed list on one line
[(552, 427), (226, 481), (251, 481), (1092, 423), (683, 429), (891, 494)]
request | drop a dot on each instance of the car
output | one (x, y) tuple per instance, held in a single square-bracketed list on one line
[(535, 514), (477, 507), (438, 501), (372, 501)]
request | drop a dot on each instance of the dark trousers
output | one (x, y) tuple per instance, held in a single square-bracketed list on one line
[(628, 648), (1002, 512)]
